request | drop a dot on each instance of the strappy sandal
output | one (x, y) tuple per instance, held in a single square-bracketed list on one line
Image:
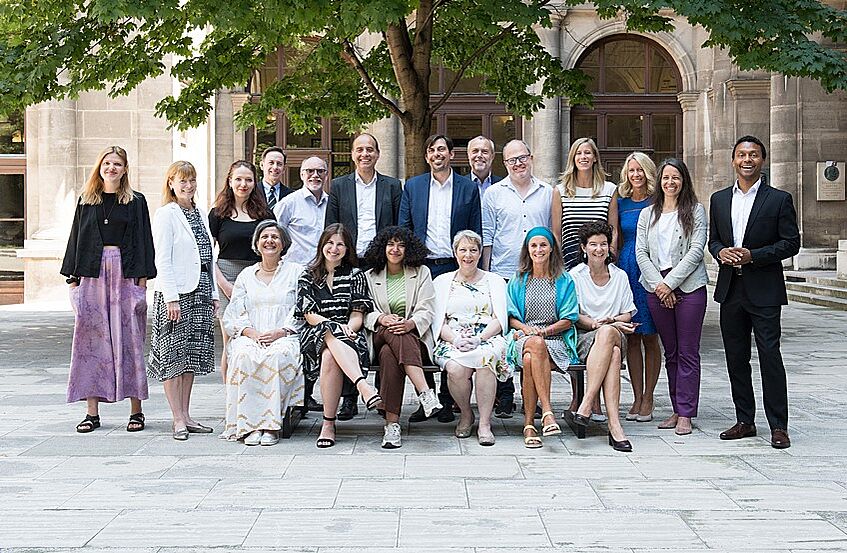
[(88, 424), (531, 442), (375, 401), (136, 422), (323, 442), (550, 429)]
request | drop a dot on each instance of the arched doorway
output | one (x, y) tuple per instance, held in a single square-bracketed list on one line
[(635, 83)]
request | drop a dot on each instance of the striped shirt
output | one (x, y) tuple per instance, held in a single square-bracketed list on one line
[(581, 209), (395, 287)]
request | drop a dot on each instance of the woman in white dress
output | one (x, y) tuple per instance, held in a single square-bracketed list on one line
[(263, 375)]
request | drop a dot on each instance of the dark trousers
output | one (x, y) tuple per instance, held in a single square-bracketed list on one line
[(443, 393), (442, 266), (738, 317), (506, 392), (395, 352), (680, 329)]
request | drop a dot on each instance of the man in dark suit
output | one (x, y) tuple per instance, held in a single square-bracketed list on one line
[(365, 202), (437, 205), (481, 158), (273, 168), (753, 227)]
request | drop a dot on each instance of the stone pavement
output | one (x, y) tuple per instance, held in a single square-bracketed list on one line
[(144, 492)]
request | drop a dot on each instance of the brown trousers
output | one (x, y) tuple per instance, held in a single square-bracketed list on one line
[(394, 351)]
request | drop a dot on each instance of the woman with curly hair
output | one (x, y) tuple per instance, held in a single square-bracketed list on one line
[(403, 295)]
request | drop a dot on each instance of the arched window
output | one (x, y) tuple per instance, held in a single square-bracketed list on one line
[(635, 84)]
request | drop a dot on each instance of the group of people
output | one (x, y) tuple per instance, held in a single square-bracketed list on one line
[(482, 276)]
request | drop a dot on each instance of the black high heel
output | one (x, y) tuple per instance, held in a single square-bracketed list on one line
[(323, 443), (374, 401), (622, 445), (581, 420)]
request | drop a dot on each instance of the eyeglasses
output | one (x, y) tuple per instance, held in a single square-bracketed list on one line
[(519, 159), (320, 172)]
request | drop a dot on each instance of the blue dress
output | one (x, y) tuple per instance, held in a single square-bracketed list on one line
[(628, 211)]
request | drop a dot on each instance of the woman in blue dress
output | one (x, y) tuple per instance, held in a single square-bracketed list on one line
[(643, 356)]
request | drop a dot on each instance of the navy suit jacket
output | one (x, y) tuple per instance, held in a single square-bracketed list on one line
[(466, 210), (343, 208)]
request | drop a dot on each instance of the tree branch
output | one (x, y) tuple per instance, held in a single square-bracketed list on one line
[(351, 57), (400, 50)]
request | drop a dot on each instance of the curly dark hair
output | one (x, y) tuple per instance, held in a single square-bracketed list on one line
[(594, 228), (317, 267), (416, 251)]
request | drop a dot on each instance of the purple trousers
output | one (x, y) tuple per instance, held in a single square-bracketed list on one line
[(107, 356), (680, 329)]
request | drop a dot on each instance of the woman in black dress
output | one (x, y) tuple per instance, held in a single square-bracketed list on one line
[(332, 297)]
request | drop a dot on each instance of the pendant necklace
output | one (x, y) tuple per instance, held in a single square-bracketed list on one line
[(106, 215)]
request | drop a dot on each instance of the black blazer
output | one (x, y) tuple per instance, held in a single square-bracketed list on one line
[(771, 236), (342, 207), (85, 245)]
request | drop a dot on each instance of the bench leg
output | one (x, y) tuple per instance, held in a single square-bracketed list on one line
[(293, 415), (579, 380)]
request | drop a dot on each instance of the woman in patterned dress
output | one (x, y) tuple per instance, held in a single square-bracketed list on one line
[(638, 183), (264, 376), (332, 297), (470, 318), (543, 309), (186, 300)]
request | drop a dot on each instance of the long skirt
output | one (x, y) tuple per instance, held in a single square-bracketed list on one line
[(261, 383), (110, 324)]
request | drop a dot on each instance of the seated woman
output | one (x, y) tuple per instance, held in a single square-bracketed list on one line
[(470, 317), (605, 310), (332, 296), (401, 288), (263, 376), (542, 311)]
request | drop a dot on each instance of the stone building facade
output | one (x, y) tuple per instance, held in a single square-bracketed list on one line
[(660, 93)]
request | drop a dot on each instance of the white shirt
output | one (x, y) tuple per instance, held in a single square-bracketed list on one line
[(664, 234), (507, 217), (277, 189), (609, 300), (439, 215), (483, 185), (303, 217), (742, 204), (366, 206)]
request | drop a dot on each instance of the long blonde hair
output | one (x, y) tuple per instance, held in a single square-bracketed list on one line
[(625, 187), (177, 170), (92, 192), (568, 178)]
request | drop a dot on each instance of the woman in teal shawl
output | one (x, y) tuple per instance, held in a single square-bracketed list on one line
[(543, 308)]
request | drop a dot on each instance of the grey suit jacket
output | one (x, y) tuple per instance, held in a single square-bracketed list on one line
[(343, 208)]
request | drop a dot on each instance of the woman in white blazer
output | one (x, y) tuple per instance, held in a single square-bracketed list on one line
[(669, 249), (400, 336), (186, 298)]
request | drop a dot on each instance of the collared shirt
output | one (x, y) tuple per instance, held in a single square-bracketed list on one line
[(482, 185), (507, 217), (366, 206), (302, 215), (742, 205), (439, 214)]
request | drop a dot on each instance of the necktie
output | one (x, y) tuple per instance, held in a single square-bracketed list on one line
[(272, 198)]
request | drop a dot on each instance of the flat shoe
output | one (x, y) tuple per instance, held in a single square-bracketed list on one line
[(465, 431), (198, 429), (598, 417), (643, 418), (269, 438), (631, 416), (667, 424), (253, 438), (485, 439), (551, 429), (136, 422), (533, 441), (681, 432), (88, 424), (180, 434)]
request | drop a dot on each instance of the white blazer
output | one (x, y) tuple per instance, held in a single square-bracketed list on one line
[(177, 253), (689, 270)]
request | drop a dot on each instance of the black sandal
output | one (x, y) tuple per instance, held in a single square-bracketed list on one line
[(324, 443), (136, 422), (88, 424), (375, 401)]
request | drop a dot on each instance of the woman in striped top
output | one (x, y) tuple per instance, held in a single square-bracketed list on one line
[(582, 196)]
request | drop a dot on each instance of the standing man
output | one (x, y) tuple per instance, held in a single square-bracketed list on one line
[(481, 157), (365, 202), (510, 208), (273, 167), (753, 227), (437, 205)]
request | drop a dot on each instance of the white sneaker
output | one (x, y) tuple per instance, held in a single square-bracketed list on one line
[(429, 402), (391, 438), (253, 438), (269, 438)]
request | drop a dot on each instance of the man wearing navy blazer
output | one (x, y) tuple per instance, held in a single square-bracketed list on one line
[(753, 227), (481, 158), (437, 205)]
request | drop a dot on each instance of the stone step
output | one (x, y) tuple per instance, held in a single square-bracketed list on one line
[(815, 299), (817, 289), (823, 278)]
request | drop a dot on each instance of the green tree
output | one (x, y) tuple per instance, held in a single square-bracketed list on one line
[(51, 50)]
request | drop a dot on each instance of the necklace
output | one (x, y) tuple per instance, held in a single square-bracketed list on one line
[(107, 215)]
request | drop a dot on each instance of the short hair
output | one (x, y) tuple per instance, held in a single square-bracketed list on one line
[(594, 228), (480, 137), (753, 140), (468, 235), (518, 141), (436, 137), (372, 137), (416, 250), (650, 175), (275, 149), (283, 235)]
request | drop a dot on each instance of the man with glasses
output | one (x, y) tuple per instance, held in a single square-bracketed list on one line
[(302, 213), (481, 158), (510, 208), (273, 168)]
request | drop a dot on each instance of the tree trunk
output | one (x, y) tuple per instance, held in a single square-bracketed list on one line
[(415, 132)]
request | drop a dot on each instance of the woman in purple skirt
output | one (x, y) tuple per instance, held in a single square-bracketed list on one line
[(108, 261)]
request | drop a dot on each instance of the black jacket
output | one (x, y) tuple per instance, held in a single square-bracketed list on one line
[(85, 245), (343, 208)]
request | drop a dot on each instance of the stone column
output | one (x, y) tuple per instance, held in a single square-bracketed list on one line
[(387, 132), (238, 101), (544, 136), (690, 138)]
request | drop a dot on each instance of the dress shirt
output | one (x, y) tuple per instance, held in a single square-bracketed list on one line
[(272, 189), (742, 204), (482, 185), (366, 209), (439, 215), (507, 217), (303, 217)]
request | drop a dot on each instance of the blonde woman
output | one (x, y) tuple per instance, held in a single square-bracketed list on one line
[(108, 261)]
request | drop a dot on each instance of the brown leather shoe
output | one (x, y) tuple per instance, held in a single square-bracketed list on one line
[(740, 430), (779, 439)]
